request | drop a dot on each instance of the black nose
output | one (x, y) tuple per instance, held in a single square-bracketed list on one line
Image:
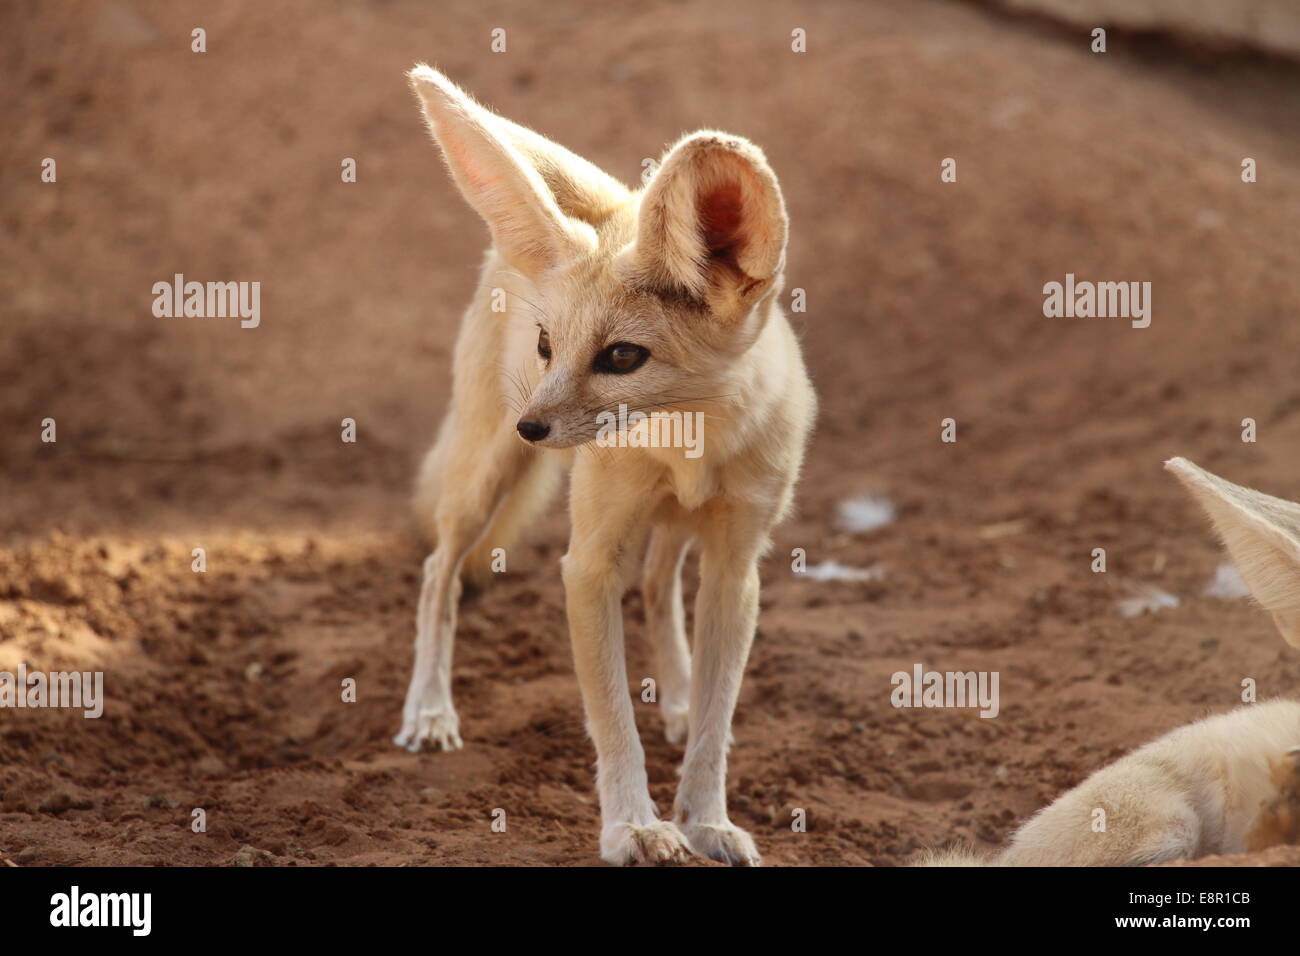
[(533, 431)]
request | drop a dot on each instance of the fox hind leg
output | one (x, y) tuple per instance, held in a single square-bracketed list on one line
[(466, 510), (429, 479), (534, 490), (661, 592)]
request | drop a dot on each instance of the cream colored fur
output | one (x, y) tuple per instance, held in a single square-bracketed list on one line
[(1208, 787), (689, 268)]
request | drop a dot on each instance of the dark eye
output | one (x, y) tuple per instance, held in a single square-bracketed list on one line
[(621, 358), (544, 344)]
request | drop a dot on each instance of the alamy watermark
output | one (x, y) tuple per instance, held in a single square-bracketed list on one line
[(133, 911), (922, 688), (660, 429), (208, 300), (82, 690), (1101, 300)]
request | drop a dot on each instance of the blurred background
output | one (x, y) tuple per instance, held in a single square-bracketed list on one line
[(924, 302)]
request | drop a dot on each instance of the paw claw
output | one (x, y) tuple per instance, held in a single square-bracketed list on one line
[(438, 730), (723, 842), (659, 843)]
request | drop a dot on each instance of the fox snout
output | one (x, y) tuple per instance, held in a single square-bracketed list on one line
[(532, 431), (556, 415)]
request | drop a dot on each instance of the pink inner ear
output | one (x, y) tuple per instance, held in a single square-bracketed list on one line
[(465, 162), (720, 218)]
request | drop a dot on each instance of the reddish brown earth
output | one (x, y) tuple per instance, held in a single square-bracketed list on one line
[(924, 302)]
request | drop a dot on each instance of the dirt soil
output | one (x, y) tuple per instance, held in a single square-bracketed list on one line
[(924, 302)]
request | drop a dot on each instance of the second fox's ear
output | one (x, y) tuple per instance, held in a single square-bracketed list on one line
[(1262, 533), (712, 224), (539, 200)]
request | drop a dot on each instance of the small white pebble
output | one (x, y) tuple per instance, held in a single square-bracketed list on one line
[(864, 513), (1227, 583), (834, 571), (1147, 600)]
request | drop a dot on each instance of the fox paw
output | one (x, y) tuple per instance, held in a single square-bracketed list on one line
[(623, 844), (676, 725), (434, 730), (723, 842)]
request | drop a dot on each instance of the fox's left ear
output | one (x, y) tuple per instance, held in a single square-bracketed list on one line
[(1262, 533), (712, 224)]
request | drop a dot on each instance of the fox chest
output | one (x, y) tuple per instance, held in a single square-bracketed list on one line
[(692, 484)]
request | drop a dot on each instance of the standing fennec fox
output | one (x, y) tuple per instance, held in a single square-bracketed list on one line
[(660, 300), (1225, 784)]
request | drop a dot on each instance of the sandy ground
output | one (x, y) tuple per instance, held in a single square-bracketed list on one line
[(924, 302)]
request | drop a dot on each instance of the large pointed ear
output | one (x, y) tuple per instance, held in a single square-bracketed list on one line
[(1262, 533), (711, 225), (539, 200), (582, 190)]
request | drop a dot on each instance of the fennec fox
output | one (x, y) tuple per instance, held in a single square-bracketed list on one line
[(1225, 784), (596, 301)]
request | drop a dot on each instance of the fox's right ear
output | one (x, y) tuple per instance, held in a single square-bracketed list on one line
[(515, 179), (1262, 533), (712, 224)]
